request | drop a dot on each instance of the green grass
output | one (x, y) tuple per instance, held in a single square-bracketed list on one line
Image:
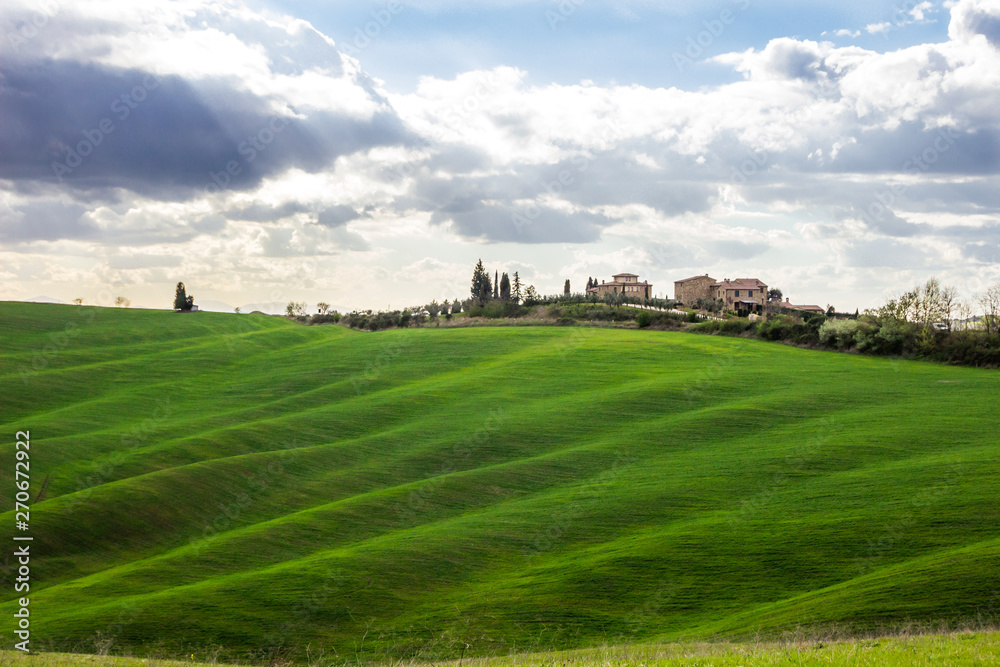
[(965, 648), (249, 482)]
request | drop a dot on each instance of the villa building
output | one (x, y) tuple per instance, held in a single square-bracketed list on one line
[(624, 283), (742, 294)]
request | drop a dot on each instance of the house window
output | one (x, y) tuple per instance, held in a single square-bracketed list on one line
[(750, 294), (737, 294)]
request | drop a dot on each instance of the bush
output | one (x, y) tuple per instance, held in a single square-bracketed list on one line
[(838, 334), (644, 319), (328, 318), (972, 348), (496, 309), (369, 321), (780, 327), (733, 327), (886, 336), (593, 312)]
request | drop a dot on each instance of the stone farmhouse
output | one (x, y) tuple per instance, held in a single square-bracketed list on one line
[(624, 283), (689, 290), (741, 294)]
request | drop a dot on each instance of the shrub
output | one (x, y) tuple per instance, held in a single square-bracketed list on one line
[(780, 327), (973, 348), (885, 336), (838, 333), (328, 318), (733, 327), (644, 319), (496, 309)]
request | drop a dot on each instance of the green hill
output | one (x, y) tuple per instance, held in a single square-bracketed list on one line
[(245, 481)]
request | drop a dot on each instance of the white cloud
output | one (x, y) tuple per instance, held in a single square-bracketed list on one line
[(878, 28)]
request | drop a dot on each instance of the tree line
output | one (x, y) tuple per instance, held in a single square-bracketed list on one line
[(500, 288)]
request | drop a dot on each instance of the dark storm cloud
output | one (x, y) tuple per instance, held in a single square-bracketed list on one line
[(95, 128)]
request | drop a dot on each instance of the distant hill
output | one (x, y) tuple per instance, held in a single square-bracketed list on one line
[(252, 483), (44, 299), (215, 306)]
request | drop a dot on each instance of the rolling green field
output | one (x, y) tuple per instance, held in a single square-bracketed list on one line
[(953, 649), (247, 482)]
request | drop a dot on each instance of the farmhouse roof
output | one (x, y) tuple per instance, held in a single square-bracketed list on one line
[(740, 283), (629, 275), (815, 309), (615, 283), (686, 280)]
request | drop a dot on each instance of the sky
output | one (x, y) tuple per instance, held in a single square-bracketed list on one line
[(368, 153)]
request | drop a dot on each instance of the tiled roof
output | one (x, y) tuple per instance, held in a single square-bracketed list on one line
[(787, 304), (615, 283), (694, 278), (740, 283)]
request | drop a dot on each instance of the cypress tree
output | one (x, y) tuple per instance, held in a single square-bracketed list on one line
[(481, 286), (505, 288), (181, 300)]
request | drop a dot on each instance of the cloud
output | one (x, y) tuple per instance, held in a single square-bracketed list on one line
[(257, 211), (738, 249), (878, 28), (143, 261), (970, 18), (93, 128), (337, 216), (45, 221)]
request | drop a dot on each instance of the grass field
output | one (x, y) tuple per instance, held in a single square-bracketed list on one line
[(953, 649), (247, 482)]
